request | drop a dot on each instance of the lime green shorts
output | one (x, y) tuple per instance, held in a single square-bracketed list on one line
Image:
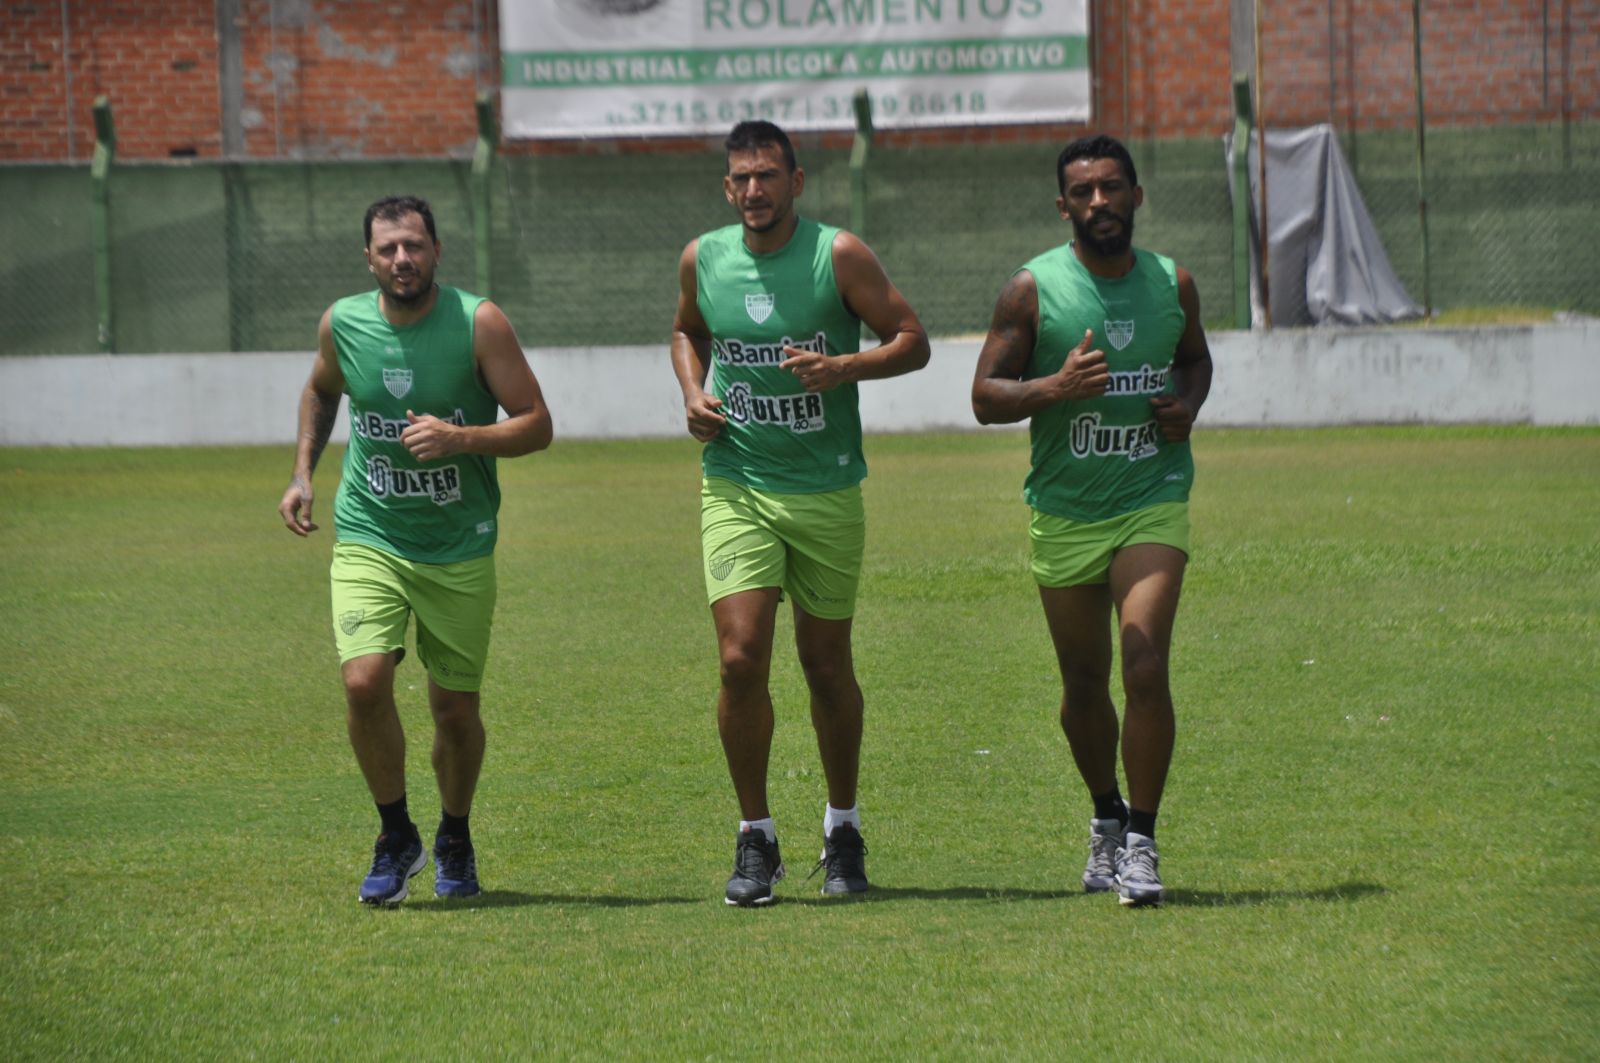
[(1070, 553), (808, 545), (375, 593)]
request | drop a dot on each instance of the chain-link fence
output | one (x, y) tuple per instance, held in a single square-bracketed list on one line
[(244, 257)]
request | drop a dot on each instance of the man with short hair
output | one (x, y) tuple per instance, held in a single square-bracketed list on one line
[(427, 368), (1100, 344), (776, 303)]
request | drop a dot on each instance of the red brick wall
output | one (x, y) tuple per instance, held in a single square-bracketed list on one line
[(1484, 62), (364, 78), (157, 61), (383, 78)]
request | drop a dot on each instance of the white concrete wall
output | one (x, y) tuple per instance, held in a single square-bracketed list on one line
[(1544, 375)]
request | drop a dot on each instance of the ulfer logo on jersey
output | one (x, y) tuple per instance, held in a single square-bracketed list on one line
[(759, 305), (1120, 333), (398, 381)]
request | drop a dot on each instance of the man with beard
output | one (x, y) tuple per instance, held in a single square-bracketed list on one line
[(427, 369), (1100, 344), (777, 302)]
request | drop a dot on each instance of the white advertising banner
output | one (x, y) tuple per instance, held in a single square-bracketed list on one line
[(596, 68)]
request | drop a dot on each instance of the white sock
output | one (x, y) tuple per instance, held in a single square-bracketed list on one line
[(835, 816), (765, 826)]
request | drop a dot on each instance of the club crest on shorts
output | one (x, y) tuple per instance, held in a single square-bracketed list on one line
[(721, 566), (350, 621), (759, 305), (398, 381), (1120, 333)]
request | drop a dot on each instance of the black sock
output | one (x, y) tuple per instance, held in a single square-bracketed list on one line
[(1109, 806), (1142, 823), (396, 820), (453, 826)]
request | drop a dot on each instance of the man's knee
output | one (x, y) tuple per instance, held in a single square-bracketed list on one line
[(745, 664), (828, 674), (1084, 682), (1144, 678), (368, 687), (454, 711)]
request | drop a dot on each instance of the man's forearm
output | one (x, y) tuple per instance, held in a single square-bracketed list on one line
[(1192, 382), (519, 434), (906, 352), (317, 415), (688, 364)]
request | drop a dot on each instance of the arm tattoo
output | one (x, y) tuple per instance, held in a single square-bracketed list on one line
[(1013, 325), (323, 414)]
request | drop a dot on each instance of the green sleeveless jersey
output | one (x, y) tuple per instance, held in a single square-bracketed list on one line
[(1095, 459), (433, 512), (778, 438)]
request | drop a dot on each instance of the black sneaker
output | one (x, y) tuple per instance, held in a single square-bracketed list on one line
[(756, 866), (844, 854), (394, 861), (455, 868)]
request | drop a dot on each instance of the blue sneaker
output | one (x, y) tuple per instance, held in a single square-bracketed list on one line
[(394, 861), (455, 868)]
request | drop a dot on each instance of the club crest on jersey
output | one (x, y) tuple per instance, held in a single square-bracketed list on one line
[(759, 305), (398, 381), (1120, 333)]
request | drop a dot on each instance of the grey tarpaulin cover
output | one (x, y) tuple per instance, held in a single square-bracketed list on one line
[(1326, 263)]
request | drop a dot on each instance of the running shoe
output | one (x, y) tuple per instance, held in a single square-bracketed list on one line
[(455, 868), (1106, 836), (394, 861), (756, 866), (844, 855), (1138, 882)]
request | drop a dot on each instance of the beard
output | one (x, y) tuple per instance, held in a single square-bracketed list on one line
[(774, 219), (424, 285), (1110, 246)]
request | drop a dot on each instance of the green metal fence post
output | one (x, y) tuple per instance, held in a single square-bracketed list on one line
[(105, 150), (858, 163), (859, 150), (1422, 167), (1241, 200), (482, 163)]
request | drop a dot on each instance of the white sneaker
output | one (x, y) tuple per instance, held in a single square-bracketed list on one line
[(1138, 882), (1106, 836)]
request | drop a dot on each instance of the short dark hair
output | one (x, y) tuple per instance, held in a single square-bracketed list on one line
[(1098, 146), (393, 208), (748, 136)]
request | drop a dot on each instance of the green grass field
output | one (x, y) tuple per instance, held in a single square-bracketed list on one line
[(1378, 833)]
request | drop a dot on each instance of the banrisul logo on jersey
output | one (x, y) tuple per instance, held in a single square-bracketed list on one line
[(798, 413), (398, 381), (375, 426), (733, 351), (759, 305)]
